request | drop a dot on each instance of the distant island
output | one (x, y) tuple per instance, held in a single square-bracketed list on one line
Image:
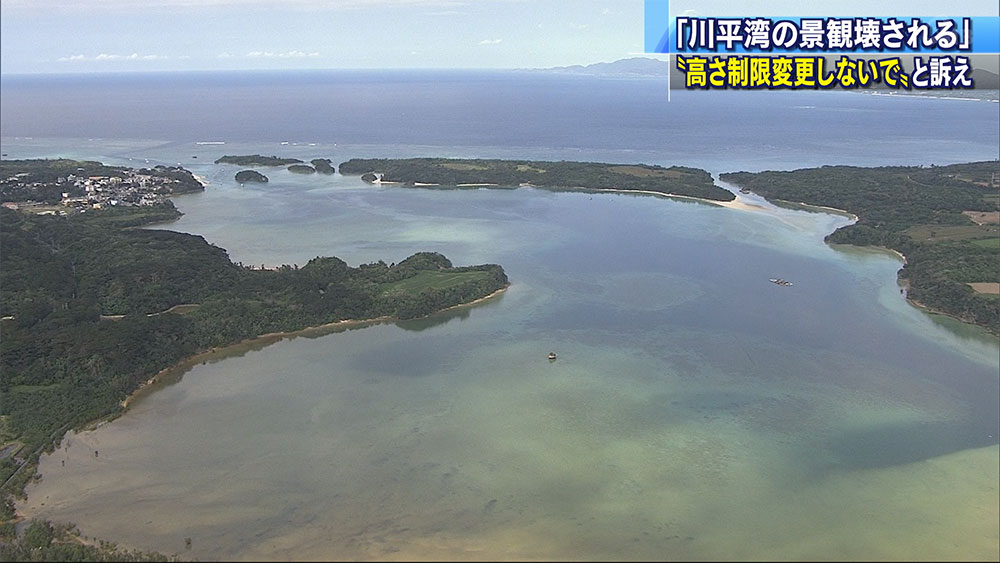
[(301, 169), (244, 176), (295, 166), (562, 175), (323, 165), (257, 160), (944, 219), (634, 67), (987, 83)]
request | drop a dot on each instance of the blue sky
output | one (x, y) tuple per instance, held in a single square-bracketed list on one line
[(55, 36)]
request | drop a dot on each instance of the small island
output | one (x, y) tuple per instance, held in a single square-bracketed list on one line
[(323, 165), (244, 176), (301, 169), (256, 160), (562, 175)]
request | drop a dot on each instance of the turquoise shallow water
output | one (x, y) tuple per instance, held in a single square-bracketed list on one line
[(696, 410)]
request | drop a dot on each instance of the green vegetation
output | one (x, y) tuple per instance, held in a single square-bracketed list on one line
[(432, 279), (256, 160), (445, 172), (244, 176), (63, 365), (43, 541), (917, 211), (301, 169), (940, 233), (323, 165), (130, 216), (50, 170)]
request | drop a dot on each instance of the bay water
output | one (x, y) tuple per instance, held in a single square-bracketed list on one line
[(696, 410)]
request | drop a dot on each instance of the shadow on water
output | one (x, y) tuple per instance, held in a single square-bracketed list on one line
[(419, 325), (461, 313), (899, 444), (175, 374)]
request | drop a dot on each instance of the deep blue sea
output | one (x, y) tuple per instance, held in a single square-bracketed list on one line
[(516, 113)]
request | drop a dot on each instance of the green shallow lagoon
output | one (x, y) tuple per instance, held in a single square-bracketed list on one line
[(696, 410)]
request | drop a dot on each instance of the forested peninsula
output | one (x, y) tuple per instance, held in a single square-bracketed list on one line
[(256, 160), (563, 175), (92, 308), (65, 363), (944, 219)]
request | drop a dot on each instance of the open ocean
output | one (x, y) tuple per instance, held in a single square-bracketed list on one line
[(696, 410)]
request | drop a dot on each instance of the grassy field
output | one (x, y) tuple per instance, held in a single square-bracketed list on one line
[(932, 233), (993, 243), (464, 166), (644, 172), (431, 279), (983, 217), (527, 168), (181, 309)]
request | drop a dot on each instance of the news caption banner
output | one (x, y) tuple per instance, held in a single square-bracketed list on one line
[(906, 53)]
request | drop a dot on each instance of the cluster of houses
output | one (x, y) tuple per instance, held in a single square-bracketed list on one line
[(96, 192), (133, 189)]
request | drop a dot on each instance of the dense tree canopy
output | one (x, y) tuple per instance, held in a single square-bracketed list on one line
[(256, 160)]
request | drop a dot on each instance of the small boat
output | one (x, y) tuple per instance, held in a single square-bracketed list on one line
[(552, 356), (780, 281)]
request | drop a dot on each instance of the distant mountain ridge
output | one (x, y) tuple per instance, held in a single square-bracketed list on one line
[(986, 79), (635, 66), (644, 66)]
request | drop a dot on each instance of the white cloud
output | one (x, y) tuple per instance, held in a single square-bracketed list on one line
[(103, 57), (293, 54), (224, 56), (90, 6), (578, 26), (490, 41)]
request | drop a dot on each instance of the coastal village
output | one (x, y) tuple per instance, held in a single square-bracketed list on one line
[(79, 191)]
